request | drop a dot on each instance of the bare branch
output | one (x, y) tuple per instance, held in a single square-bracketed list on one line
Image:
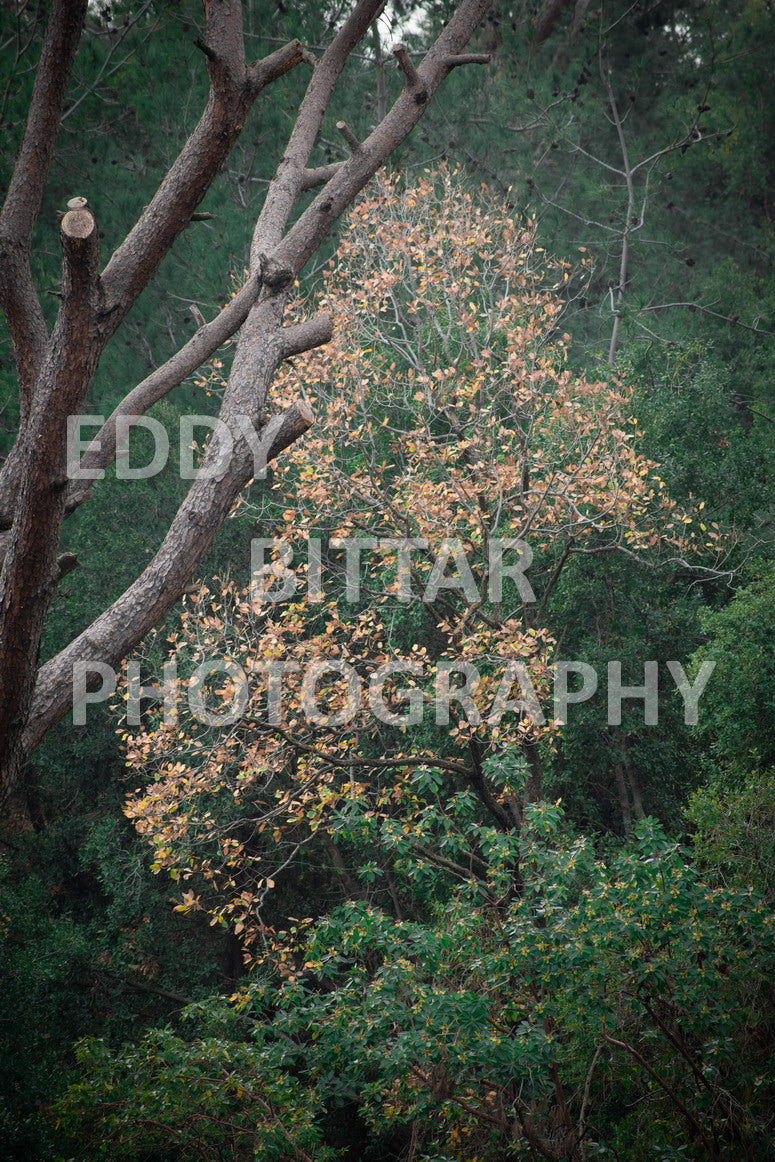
[(184, 186), (277, 64), (733, 320), (115, 632), (468, 58), (102, 449), (348, 135), (598, 161), (312, 226), (401, 53), (25, 191), (304, 336), (319, 176), (617, 293), (685, 143), (287, 182)]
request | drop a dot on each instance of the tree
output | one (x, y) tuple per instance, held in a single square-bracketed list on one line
[(56, 367), (449, 423)]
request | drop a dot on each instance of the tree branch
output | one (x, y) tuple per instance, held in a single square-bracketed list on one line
[(313, 225), (116, 631), (733, 320), (102, 449), (412, 77), (287, 181), (18, 297), (319, 176), (468, 58), (348, 135), (690, 1118), (304, 336), (232, 92)]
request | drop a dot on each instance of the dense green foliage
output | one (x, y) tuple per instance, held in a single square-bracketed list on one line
[(625, 1001), (619, 1003)]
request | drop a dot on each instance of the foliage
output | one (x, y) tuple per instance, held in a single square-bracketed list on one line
[(171, 1098), (734, 824), (88, 945), (42, 956), (610, 1009), (740, 709), (447, 415)]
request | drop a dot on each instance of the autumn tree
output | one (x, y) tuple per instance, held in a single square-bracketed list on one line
[(56, 365), (453, 432)]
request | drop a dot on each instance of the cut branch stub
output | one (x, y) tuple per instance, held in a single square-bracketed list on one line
[(401, 53), (311, 178), (348, 135), (65, 564), (78, 223), (299, 337), (205, 48), (80, 256), (263, 72), (291, 426)]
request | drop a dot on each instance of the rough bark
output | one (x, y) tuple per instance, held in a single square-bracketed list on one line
[(30, 569)]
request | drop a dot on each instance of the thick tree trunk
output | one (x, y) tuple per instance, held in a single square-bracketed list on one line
[(30, 569)]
